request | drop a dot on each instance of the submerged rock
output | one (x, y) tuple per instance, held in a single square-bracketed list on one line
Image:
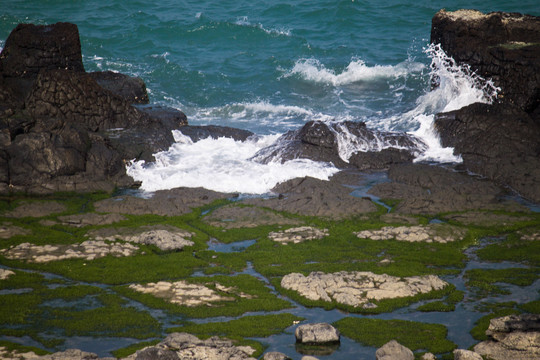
[(393, 350), (274, 355), (197, 133)]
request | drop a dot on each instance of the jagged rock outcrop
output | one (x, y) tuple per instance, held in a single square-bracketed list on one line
[(321, 141), (501, 46), (499, 141), (131, 89), (512, 337), (62, 129)]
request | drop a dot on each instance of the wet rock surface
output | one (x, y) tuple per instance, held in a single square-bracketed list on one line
[(7, 230), (36, 209), (499, 46), (358, 288), (197, 133), (298, 234), (166, 202), (82, 220), (231, 217), (313, 197), (319, 141), (426, 189), (497, 141), (430, 233), (64, 129)]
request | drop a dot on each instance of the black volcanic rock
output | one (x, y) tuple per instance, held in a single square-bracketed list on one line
[(500, 141), (501, 46), (62, 129), (319, 141), (131, 89), (196, 133), (30, 48)]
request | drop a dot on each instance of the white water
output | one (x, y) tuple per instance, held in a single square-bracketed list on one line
[(221, 165), (225, 165)]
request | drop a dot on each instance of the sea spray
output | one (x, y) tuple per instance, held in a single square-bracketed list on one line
[(223, 165)]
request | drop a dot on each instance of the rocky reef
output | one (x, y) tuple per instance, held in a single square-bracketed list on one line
[(500, 140)]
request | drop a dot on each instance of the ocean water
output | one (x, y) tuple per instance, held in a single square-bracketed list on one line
[(269, 67)]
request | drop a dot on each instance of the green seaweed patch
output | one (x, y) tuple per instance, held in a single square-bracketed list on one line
[(112, 270), (447, 305), (111, 320), (16, 348), (513, 248), (24, 279), (481, 325), (532, 307), (382, 306), (484, 281), (131, 349), (257, 297), (258, 326), (22, 308), (416, 336)]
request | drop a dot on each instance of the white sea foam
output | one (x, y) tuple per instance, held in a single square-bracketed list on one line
[(221, 165), (243, 21), (356, 71)]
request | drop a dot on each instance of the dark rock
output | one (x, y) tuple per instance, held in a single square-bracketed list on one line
[(172, 202), (320, 141), (501, 46), (196, 133), (78, 98), (131, 89), (500, 142), (169, 117), (30, 48), (381, 159), (313, 197), (425, 189)]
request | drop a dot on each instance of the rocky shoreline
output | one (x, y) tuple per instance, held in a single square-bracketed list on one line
[(63, 129)]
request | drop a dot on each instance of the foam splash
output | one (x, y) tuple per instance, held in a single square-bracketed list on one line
[(356, 71), (243, 21), (222, 165)]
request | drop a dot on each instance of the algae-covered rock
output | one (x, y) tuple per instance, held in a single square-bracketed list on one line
[(358, 288)]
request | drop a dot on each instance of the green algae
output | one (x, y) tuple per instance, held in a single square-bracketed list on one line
[(487, 281), (446, 305), (15, 347), (257, 297), (413, 335), (258, 326)]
